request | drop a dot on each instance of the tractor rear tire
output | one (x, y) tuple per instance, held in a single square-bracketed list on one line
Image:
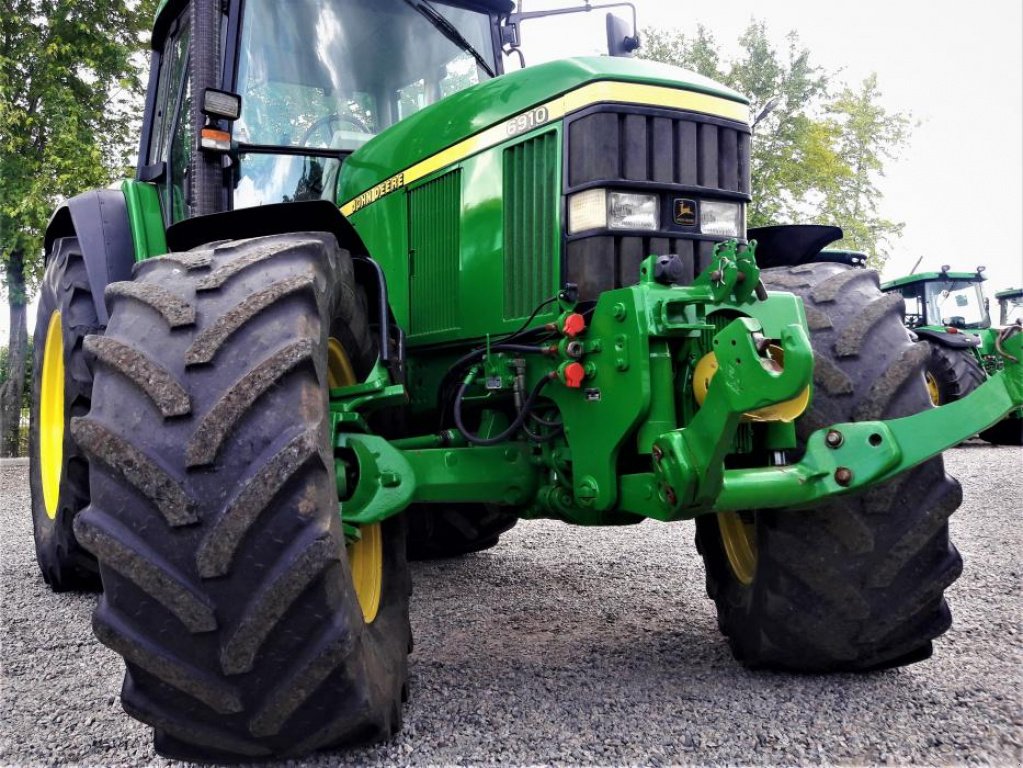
[(452, 530), (61, 389), (952, 373), (855, 584), (246, 630)]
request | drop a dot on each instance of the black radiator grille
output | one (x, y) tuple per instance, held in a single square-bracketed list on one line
[(682, 149), (679, 154)]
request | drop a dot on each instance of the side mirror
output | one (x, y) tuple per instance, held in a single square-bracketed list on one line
[(619, 42)]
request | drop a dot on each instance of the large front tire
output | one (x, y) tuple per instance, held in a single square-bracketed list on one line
[(855, 584), (247, 627), (61, 389)]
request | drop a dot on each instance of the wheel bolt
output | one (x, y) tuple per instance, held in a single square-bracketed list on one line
[(843, 476), (834, 438)]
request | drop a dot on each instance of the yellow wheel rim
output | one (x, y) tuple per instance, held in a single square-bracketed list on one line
[(365, 556), (51, 416), (366, 561), (740, 543), (932, 388)]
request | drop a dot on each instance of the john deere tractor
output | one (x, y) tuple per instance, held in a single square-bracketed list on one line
[(369, 295), (948, 314)]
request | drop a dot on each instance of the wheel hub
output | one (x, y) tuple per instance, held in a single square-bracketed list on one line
[(365, 554)]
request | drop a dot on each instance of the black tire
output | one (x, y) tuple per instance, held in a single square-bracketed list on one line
[(955, 373), (214, 513), (856, 584), (1009, 431), (452, 530), (65, 565)]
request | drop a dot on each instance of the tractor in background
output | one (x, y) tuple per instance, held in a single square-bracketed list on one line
[(950, 316), (368, 295)]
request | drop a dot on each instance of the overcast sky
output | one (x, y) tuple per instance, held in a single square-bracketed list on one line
[(957, 67)]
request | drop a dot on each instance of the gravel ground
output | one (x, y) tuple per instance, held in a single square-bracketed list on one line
[(576, 646)]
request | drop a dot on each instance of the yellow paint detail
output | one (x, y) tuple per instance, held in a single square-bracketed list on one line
[(366, 562), (932, 388), (606, 92), (365, 556), (339, 368), (51, 416), (786, 411), (739, 540)]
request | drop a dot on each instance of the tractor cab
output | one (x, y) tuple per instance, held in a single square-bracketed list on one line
[(1010, 306), (943, 299), (317, 79), (300, 86)]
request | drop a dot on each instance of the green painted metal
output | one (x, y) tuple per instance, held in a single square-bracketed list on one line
[(145, 218), (469, 112), (633, 333)]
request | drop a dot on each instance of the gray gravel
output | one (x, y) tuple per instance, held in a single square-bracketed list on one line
[(578, 646)]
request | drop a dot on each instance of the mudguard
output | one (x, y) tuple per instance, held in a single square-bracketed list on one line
[(788, 245), (950, 340), (99, 219)]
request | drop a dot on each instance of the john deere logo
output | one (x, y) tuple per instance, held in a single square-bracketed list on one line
[(685, 212)]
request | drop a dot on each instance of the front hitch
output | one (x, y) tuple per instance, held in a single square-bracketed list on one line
[(848, 457)]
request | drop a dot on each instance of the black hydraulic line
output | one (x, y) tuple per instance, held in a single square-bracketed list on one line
[(382, 305), (515, 426)]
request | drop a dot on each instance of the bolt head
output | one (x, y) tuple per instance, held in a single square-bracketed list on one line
[(834, 438), (843, 476)]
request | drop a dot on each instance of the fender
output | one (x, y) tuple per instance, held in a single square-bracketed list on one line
[(99, 219), (788, 245), (950, 340)]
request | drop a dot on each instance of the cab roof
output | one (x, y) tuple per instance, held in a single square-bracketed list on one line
[(927, 277)]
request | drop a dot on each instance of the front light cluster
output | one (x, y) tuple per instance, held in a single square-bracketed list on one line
[(601, 209), (606, 209)]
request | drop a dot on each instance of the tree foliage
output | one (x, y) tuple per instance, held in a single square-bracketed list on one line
[(819, 154), (69, 86)]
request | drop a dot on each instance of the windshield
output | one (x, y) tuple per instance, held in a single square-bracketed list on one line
[(957, 303), (1012, 309), (331, 74)]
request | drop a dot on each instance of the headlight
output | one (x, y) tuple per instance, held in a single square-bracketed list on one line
[(723, 219), (626, 210), (587, 210), (601, 209)]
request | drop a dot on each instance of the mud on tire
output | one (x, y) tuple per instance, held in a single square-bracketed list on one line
[(858, 583), (214, 510), (65, 290)]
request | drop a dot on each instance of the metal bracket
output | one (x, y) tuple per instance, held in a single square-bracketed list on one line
[(689, 462)]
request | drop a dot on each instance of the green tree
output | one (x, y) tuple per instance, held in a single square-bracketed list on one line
[(69, 85), (817, 154)]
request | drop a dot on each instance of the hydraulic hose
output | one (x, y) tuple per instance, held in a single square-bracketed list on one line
[(514, 427)]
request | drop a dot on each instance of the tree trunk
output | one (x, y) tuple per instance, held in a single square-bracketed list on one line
[(12, 390)]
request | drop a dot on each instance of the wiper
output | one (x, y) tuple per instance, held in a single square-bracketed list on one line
[(450, 31)]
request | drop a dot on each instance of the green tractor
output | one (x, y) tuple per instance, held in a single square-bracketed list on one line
[(369, 297), (948, 313)]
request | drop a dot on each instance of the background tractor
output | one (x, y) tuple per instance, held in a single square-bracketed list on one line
[(949, 314), (369, 295)]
